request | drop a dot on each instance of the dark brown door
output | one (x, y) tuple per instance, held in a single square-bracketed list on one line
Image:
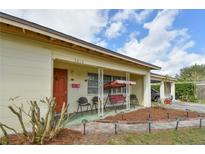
[(60, 88)]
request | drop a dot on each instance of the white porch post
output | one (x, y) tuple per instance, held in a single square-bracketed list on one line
[(173, 90), (147, 90), (100, 92), (127, 92), (162, 91)]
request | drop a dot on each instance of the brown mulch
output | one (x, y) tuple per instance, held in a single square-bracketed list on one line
[(66, 136), (156, 114)]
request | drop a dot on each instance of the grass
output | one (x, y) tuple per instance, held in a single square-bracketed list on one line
[(165, 137)]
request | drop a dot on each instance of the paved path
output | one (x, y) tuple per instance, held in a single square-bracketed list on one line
[(98, 127), (191, 106)]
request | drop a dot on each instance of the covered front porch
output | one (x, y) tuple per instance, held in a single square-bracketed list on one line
[(88, 81)]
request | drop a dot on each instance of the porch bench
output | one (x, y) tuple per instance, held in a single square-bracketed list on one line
[(115, 100)]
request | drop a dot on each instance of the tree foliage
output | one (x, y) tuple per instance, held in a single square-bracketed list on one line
[(192, 73)]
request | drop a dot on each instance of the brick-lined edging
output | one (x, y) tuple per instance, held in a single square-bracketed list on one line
[(100, 127), (138, 122)]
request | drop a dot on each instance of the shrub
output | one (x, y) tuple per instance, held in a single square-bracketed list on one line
[(185, 92), (43, 128)]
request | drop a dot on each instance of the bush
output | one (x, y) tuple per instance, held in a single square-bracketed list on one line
[(185, 92)]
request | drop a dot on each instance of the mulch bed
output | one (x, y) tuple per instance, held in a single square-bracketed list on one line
[(156, 114), (66, 136)]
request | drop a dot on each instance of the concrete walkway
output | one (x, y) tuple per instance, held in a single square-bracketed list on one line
[(108, 128), (191, 106)]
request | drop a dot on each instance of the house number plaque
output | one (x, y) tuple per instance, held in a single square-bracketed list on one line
[(79, 61)]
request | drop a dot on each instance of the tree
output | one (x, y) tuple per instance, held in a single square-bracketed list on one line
[(192, 73)]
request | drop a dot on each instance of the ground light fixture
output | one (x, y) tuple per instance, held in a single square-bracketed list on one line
[(149, 114), (149, 125), (122, 115), (168, 114), (84, 121), (200, 120), (115, 126), (187, 113), (177, 124)]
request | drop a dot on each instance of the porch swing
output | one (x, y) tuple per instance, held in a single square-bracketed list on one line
[(116, 99)]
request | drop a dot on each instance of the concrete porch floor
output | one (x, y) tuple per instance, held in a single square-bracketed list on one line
[(76, 118)]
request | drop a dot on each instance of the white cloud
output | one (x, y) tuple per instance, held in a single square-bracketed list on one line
[(179, 58), (117, 22), (115, 30), (123, 15), (138, 15), (141, 16), (163, 45), (84, 24)]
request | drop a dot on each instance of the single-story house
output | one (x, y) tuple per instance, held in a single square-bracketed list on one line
[(38, 62)]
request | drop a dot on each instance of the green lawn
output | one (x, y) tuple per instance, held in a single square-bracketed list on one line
[(182, 136)]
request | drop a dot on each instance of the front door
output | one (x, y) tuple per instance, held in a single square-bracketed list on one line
[(60, 88)]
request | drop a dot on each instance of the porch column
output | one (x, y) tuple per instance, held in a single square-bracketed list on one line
[(100, 92), (147, 90), (162, 91), (127, 91), (173, 90)]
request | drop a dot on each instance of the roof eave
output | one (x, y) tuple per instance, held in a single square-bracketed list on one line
[(75, 40)]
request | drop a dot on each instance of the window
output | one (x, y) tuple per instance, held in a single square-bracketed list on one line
[(107, 78), (123, 88), (116, 90), (92, 83)]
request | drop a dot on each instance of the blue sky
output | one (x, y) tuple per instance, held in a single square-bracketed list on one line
[(172, 39)]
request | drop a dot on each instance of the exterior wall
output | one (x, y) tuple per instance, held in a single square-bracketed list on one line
[(138, 89), (95, 61), (25, 71)]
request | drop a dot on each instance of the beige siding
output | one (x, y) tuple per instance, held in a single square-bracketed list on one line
[(138, 88), (91, 60), (25, 71)]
